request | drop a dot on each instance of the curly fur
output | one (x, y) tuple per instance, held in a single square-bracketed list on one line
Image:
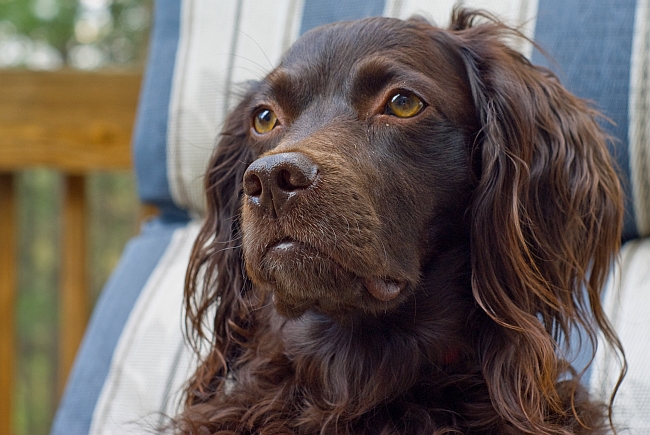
[(493, 216)]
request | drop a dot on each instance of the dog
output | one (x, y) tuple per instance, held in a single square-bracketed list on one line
[(405, 226)]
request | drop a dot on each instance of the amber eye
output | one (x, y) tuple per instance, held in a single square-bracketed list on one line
[(264, 121), (404, 105)]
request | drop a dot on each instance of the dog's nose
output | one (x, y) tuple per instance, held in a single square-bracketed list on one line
[(273, 181)]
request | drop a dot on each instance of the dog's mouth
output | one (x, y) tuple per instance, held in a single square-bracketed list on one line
[(302, 275)]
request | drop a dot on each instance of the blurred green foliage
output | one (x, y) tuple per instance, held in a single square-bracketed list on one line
[(57, 30), (50, 34), (114, 217), (84, 34), (39, 221)]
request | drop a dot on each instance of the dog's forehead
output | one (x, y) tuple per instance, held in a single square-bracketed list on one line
[(347, 67), (335, 60), (336, 48)]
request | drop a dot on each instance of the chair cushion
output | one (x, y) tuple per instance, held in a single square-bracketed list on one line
[(150, 133), (627, 303), (145, 257)]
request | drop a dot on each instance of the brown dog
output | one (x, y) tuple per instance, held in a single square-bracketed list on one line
[(405, 224)]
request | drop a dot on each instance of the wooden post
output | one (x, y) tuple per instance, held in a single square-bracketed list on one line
[(74, 295), (7, 299)]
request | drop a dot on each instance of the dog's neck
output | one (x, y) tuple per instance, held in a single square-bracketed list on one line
[(382, 356)]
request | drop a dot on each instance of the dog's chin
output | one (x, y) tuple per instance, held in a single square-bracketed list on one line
[(302, 278)]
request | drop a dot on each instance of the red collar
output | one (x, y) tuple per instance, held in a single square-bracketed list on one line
[(451, 357)]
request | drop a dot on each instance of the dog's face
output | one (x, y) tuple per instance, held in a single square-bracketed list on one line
[(363, 141)]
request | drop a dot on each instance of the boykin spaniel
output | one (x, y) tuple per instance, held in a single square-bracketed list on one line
[(406, 226)]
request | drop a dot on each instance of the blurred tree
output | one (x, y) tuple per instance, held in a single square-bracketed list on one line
[(84, 34)]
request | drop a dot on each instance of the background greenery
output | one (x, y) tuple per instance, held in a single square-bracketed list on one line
[(47, 35)]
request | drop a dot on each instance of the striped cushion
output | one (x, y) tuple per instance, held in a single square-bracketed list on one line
[(639, 114), (627, 307), (144, 258), (150, 134), (133, 362), (151, 361)]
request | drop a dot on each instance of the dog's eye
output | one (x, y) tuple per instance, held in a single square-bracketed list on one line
[(404, 105), (264, 121)]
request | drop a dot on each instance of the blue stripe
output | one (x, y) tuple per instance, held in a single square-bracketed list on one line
[(92, 364), (592, 42), (150, 135), (319, 12)]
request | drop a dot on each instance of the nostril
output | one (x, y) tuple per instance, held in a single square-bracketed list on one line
[(252, 184), (295, 172), (284, 181), (293, 179)]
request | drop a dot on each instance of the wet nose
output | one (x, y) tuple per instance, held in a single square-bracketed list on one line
[(273, 181)]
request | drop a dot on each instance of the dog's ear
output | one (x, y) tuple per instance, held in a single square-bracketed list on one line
[(546, 222), (215, 278)]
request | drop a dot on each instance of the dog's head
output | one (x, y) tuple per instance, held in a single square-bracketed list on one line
[(381, 148), (362, 167)]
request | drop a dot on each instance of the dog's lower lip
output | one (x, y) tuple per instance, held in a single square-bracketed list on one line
[(383, 289)]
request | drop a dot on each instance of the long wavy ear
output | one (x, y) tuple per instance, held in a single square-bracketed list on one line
[(215, 275), (546, 225)]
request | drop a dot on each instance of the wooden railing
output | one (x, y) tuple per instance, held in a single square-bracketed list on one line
[(75, 122)]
